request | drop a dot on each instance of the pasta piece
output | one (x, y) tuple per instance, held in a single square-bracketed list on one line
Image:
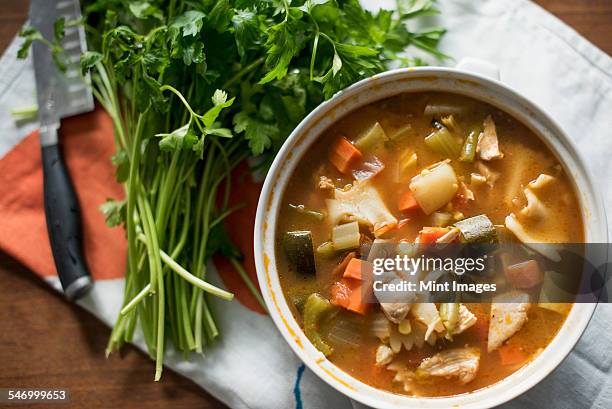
[(427, 313), (363, 203), (536, 223)]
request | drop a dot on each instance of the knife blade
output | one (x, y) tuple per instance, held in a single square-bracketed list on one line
[(60, 95)]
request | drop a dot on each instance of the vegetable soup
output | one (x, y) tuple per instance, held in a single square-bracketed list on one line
[(422, 168)]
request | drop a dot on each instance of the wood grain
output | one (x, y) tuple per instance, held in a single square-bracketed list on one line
[(45, 341), (591, 18), (48, 342)]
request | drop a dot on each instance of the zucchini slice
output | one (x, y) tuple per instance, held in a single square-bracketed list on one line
[(300, 252), (477, 229)]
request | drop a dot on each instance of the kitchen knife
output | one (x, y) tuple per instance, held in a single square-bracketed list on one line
[(61, 94)]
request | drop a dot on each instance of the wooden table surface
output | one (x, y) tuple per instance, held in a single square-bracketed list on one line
[(47, 342)]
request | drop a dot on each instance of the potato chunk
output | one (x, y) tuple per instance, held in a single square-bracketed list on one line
[(434, 187)]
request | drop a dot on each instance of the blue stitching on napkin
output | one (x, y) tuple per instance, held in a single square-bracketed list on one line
[(296, 389)]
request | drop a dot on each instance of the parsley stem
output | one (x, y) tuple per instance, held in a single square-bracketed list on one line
[(132, 197), (180, 270), (249, 283), (201, 284), (313, 57), (182, 98), (134, 302), (243, 72)]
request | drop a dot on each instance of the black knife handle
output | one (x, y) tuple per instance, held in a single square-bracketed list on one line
[(64, 225)]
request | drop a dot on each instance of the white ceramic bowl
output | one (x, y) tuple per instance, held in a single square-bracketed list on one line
[(461, 81)]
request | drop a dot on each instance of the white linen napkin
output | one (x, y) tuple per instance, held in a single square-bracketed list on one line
[(252, 367)]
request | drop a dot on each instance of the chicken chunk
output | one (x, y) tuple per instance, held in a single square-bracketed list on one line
[(488, 145), (395, 311), (466, 320), (460, 363), (476, 179), (507, 318), (384, 355), (490, 175), (326, 183), (395, 305)]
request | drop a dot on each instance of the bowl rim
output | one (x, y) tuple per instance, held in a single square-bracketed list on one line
[(552, 355)]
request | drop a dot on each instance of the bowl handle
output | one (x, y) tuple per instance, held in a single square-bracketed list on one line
[(478, 66)]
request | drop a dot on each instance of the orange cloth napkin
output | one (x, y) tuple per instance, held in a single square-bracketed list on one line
[(88, 145)]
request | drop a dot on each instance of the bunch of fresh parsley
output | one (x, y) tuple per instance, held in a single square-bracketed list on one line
[(195, 87)]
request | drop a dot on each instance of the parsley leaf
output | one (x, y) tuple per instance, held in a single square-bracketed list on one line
[(114, 212), (258, 133)]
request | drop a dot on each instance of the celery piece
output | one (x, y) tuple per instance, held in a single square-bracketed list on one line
[(444, 143), (441, 109), (449, 313), (403, 132), (326, 249), (315, 309), (372, 138), (346, 236), (441, 219), (468, 151), (406, 165)]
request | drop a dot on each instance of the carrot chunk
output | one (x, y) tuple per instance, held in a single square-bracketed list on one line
[(347, 293), (357, 304), (524, 275), (407, 202), (341, 293), (356, 268), (339, 269), (344, 155), (429, 235), (511, 354)]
